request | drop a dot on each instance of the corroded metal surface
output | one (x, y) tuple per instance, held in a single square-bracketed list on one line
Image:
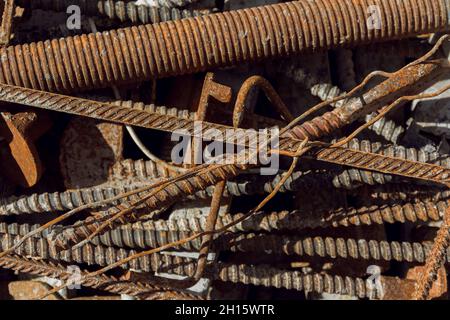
[(247, 36), (188, 77), (22, 164)]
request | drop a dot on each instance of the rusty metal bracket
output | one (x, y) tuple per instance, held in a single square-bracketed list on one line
[(22, 164)]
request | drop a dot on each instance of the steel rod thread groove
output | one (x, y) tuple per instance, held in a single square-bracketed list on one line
[(93, 255), (263, 275), (223, 39), (297, 220), (329, 247)]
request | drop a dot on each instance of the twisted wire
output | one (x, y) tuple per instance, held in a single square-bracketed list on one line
[(406, 81), (384, 127)]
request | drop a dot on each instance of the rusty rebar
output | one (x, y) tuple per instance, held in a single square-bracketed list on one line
[(298, 220), (409, 80), (211, 41), (120, 10), (435, 259), (328, 247), (103, 282), (260, 275), (70, 199), (127, 236), (89, 254), (92, 6), (134, 117), (246, 274), (263, 275)]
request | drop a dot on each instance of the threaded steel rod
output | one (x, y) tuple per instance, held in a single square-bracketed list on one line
[(230, 273), (90, 254), (59, 201), (70, 199), (223, 39), (263, 275), (410, 80), (327, 247), (412, 212), (120, 10), (92, 6), (298, 220)]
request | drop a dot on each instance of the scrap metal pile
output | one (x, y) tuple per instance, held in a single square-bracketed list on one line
[(93, 203)]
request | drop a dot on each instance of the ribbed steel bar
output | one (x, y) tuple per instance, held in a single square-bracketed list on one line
[(91, 6), (91, 254), (397, 151), (120, 10), (348, 178), (379, 163), (223, 39), (231, 273), (152, 233), (362, 216), (263, 275), (410, 80), (186, 114), (260, 275), (298, 220), (351, 178), (59, 201), (328, 247), (70, 199), (207, 131), (189, 186), (61, 272), (126, 236)]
